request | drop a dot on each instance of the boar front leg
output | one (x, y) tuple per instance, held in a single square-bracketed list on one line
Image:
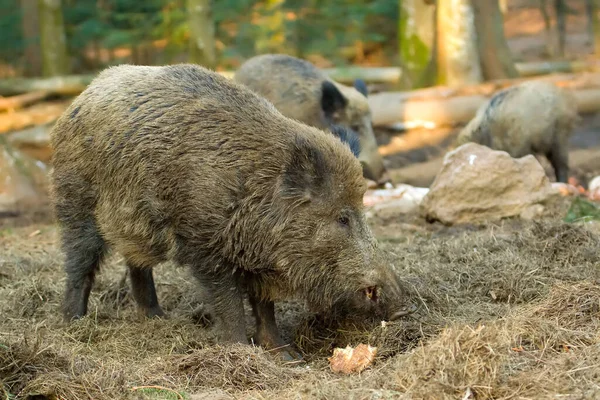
[(144, 290), (267, 333), (225, 296)]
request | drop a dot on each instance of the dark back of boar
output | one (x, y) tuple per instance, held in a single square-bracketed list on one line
[(299, 90), (178, 163)]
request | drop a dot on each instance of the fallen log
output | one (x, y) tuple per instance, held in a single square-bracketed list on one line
[(550, 67), (371, 75), (397, 110), (571, 81), (74, 84), (36, 115), (61, 85), (439, 112), (22, 100), (393, 74)]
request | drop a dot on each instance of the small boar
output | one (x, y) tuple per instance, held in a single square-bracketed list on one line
[(299, 90), (178, 163), (533, 117)]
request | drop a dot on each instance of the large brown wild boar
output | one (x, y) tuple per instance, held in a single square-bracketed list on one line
[(178, 163), (299, 90), (533, 117)]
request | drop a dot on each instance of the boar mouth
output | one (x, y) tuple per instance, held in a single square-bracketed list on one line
[(402, 313), (371, 293)]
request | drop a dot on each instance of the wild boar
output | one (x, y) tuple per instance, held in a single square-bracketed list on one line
[(534, 117), (178, 163), (299, 90)]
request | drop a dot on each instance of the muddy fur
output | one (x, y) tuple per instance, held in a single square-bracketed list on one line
[(178, 163), (301, 91), (530, 118)]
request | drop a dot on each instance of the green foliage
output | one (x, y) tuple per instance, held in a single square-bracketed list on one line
[(582, 210), (324, 27), (82, 24), (12, 43), (329, 25)]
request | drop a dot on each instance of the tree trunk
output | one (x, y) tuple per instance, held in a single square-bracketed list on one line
[(202, 33), (561, 13), (503, 4), (31, 36), (594, 24), (272, 33), (55, 60), (416, 38), (547, 26), (494, 54), (458, 60)]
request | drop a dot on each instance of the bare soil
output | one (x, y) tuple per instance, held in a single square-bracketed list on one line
[(504, 310)]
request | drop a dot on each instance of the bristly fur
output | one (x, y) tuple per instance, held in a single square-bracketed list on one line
[(178, 163), (534, 117), (347, 136), (299, 90)]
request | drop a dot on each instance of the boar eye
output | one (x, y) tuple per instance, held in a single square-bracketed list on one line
[(355, 128), (344, 220)]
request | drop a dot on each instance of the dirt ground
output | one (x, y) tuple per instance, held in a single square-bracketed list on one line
[(504, 310)]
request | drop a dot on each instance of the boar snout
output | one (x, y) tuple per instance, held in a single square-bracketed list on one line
[(402, 312)]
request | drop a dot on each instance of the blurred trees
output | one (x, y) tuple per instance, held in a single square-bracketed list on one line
[(433, 41), (417, 44), (103, 32), (458, 58), (494, 54), (31, 41), (202, 33), (53, 40), (467, 45)]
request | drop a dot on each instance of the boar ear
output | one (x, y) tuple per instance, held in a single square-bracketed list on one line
[(305, 172), (332, 100), (361, 86), (348, 137)]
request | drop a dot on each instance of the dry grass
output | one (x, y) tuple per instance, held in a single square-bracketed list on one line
[(509, 310)]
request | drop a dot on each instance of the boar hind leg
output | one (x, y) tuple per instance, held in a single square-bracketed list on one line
[(559, 158), (267, 333), (144, 290), (84, 250)]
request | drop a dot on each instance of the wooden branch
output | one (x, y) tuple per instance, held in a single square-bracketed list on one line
[(550, 67), (393, 74), (389, 109), (75, 84), (572, 81), (439, 112), (22, 100), (371, 75), (36, 115), (61, 85)]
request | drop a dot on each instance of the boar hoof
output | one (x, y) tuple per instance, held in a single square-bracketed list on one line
[(155, 312), (202, 316)]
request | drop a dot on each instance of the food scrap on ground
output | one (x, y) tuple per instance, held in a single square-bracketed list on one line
[(350, 360)]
